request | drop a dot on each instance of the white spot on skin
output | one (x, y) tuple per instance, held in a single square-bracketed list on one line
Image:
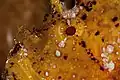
[(57, 53), (70, 13), (110, 48), (20, 60), (82, 79), (85, 26), (30, 77), (73, 75), (54, 66), (43, 79), (20, 54), (68, 22), (110, 66), (104, 55), (118, 40), (103, 49), (114, 43), (46, 74), (62, 43), (81, 7), (25, 54), (24, 51), (117, 53), (118, 58), (7, 61), (73, 15), (73, 48), (56, 1), (52, 35), (119, 46), (105, 60)]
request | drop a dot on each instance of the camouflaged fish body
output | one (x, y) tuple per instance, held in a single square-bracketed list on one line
[(82, 43)]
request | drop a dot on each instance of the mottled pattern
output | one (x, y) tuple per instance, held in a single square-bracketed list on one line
[(91, 52)]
